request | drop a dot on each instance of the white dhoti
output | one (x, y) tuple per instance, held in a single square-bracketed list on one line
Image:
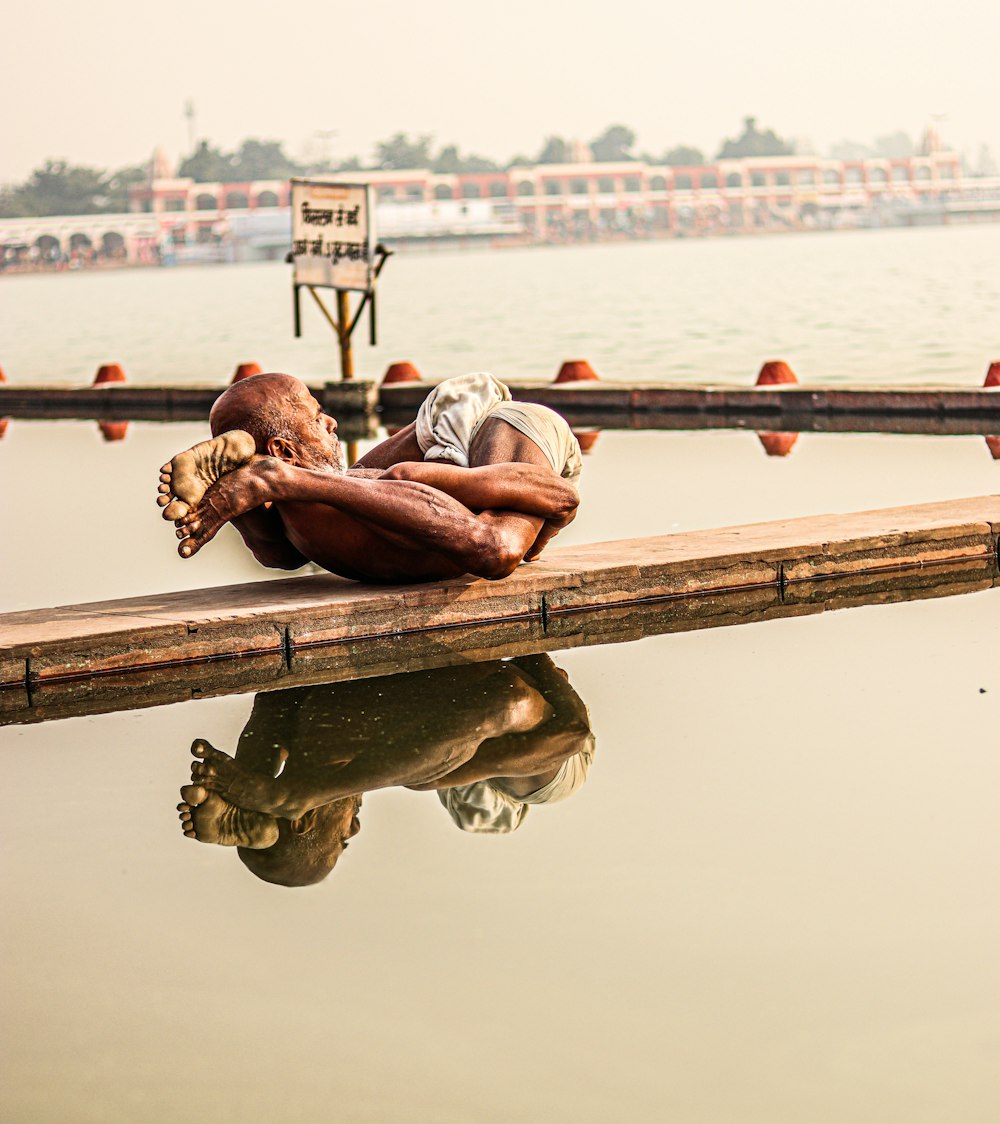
[(487, 807), (452, 414)]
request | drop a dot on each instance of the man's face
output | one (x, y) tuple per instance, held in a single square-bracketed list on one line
[(316, 441)]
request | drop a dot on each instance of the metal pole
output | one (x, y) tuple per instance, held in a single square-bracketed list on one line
[(344, 334)]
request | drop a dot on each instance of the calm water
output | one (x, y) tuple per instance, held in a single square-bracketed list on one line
[(869, 306), (769, 901)]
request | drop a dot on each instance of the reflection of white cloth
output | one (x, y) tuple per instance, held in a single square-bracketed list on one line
[(488, 808), (450, 417)]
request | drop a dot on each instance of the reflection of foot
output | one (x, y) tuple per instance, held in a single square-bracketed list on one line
[(218, 772), (205, 816), (190, 474)]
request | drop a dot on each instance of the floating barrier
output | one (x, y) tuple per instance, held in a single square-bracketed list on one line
[(284, 618), (586, 402), (587, 439), (576, 370), (775, 372), (113, 430), (778, 444), (400, 372), (246, 371), (109, 373)]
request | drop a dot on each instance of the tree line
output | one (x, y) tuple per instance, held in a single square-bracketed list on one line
[(60, 188)]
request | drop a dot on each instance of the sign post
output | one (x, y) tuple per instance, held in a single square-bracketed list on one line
[(334, 247)]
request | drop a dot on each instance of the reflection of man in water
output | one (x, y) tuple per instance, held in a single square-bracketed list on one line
[(491, 738), (475, 485)]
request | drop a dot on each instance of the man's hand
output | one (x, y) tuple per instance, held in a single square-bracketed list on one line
[(549, 530)]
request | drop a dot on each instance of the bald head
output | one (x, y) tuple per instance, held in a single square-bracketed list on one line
[(260, 405), (307, 848), (282, 416)]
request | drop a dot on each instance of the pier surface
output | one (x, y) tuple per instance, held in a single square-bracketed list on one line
[(280, 619)]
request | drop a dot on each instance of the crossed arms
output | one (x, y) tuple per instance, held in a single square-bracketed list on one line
[(415, 521)]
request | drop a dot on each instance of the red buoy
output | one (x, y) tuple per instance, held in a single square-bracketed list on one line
[(113, 430), (4, 422), (775, 372), (778, 444), (108, 373), (401, 372), (245, 370), (3, 377), (993, 444), (587, 438), (576, 370), (993, 375)]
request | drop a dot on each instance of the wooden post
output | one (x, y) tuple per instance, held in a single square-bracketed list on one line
[(344, 333)]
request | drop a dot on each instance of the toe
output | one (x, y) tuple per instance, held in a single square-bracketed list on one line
[(163, 501), (176, 510), (194, 794)]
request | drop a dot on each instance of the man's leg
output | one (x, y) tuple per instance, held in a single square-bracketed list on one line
[(500, 443)]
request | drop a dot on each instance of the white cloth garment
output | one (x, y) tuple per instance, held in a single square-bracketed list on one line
[(485, 806), (451, 415)]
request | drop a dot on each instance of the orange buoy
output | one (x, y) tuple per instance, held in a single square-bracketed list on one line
[(576, 370), (993, 375), (245, 370), (108, 373), (587, 438), (3, 377), (775, 372), (778, 444), (401, 372), (4, 422), (113, 430), (993, 444)]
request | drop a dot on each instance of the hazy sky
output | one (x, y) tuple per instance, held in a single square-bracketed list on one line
[(104, 83)]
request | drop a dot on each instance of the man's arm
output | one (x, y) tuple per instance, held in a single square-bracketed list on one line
[(414, 515), (515, 486), (533, 752)]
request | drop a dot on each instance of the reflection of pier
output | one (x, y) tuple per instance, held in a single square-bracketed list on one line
[(287, 623), (616, 624)]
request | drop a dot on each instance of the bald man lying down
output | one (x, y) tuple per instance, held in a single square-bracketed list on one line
[(477, 484)]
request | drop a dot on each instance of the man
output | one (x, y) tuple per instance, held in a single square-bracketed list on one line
[(475, 485), (492, 739)]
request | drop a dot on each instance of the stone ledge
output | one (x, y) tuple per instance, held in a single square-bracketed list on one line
[(53, 699), (295, 613)]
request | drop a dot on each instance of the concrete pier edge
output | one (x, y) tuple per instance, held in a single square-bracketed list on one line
[(287, 616)]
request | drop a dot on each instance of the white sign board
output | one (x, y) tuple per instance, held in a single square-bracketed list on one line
[(333, 235)]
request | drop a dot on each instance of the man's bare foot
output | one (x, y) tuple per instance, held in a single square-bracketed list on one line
[(205, 816), (187, 477), (232, 495), (217, 772)]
